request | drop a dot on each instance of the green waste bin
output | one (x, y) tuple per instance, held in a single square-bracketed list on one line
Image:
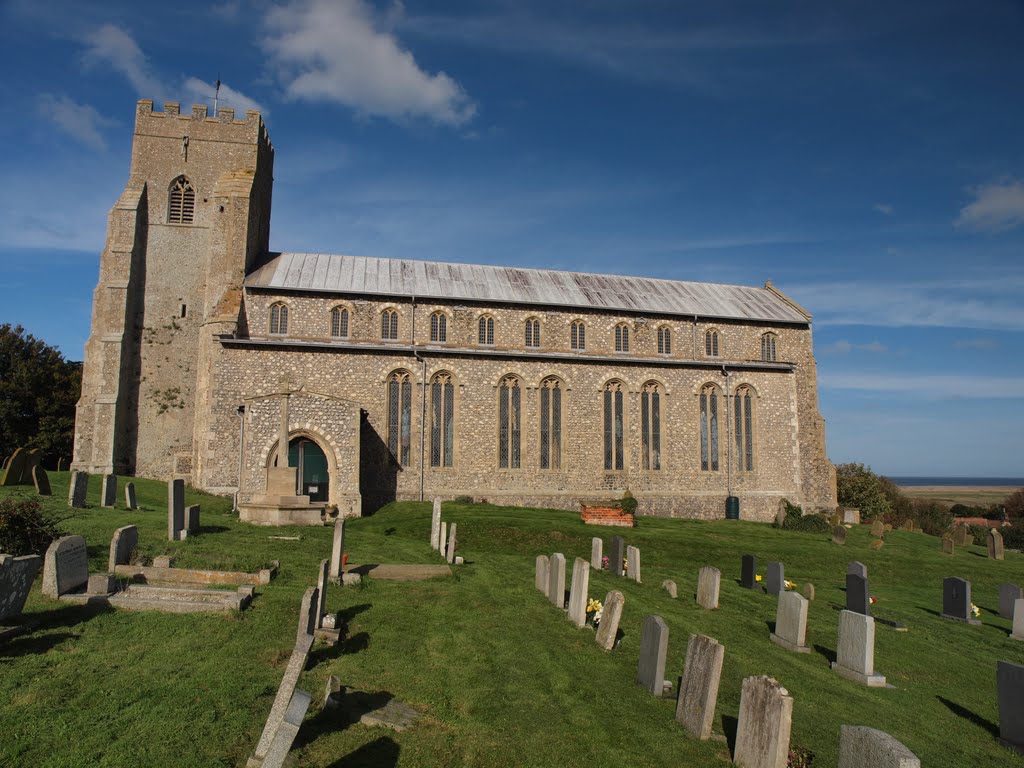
[(732, 507)]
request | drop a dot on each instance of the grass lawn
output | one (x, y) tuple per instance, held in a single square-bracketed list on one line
[(503, 679)]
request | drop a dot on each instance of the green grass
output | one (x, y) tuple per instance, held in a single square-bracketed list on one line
[(501, 676)]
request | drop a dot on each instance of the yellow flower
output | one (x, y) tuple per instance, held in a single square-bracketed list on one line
[(790, 584), (758, 577)]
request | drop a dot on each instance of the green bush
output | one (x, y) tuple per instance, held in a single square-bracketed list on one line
[(859, 487), (979, 534), (796, 520), (1013, 537), (463, 500), (931, 517), (25, 529), (628, 503)]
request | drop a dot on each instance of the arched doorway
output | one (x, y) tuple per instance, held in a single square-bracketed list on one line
[(313, 477)]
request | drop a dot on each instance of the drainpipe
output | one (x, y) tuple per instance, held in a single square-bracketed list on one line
[(241, 453), (423, 392)]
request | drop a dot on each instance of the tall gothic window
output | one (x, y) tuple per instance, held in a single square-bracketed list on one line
[(551, 424), (577, 336), (279, 319), (399, 394), (664, 340), (181, 206), (389, 324), (439, 327), (622, 338), (709, 428), (613, 425), (743, 428), (486, 331), (650, 424), (339, 323), (532, 332), (769, 344), (442, 420), (711, 343), (510, 393)]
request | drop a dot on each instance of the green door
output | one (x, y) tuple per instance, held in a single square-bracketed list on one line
[(313, 478)]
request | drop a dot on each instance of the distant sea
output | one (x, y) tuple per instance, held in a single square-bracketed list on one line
[(1015, 481)]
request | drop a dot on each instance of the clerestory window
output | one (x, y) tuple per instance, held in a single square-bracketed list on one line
[(181, 207)]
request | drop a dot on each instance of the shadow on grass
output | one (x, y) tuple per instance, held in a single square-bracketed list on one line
[(352, 611), (828, 653), (347, 646), (771, 626), (972, 717), (929, 610), (348, 707), (59, 618), (730, 725), (26, 646), (379, 753), (213, 529)]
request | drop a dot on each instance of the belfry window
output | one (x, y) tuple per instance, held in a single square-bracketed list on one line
[(181, 207), (279, 319)]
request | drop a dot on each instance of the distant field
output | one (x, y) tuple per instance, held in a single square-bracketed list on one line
[(974, 495)]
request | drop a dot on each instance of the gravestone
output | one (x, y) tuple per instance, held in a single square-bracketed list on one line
[(323, 575), (670, 586), (540, 578), (616, 554), (443, 540), (175, 509), (578, 592), (452, 543), (877, 529), (1010, 692), (835, 519), (16, 577), (748, 572), (876, 544), (338, 549), (556, 580), (15, 468), (101, 584), (961, 535), (287, 730), (611, 614), (698, 691), (838, 534), (77, 489), (1008, 595), (596, 545), (66, 566), (948, 547), (888, 527), (709, 584), (855, 654), (60, 464), (858, 568), (633, 563), (766, 717), (862, 747), (435, 525), (995, 544), (956, 600), (1017, 633), (108, 492), (907, 525), (650, 671), (791, 623), (41, 481), (130, 501), (780, 514), (851, 516), (808, 590), (858, 597), (122, 544), (192, 518), (776, 578)]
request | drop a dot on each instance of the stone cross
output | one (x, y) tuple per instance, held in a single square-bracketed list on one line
[(709, 584), (633, 563), (452, 542), (578, 592), (776, 578), (995, 544), (16, 577), (1010, 692), (765, 721), (338, 549), (1008, 595), (66, 566), (698, 691), (435, 525), (122, 544), (596, 547), (791, 623), (611, 614), (540, 578), (863, 747), (130, 501), (616, 554), (748, 574), (556, 580), (855, 656), (650, 672), (108, 493), (956, 600), (858, 598)]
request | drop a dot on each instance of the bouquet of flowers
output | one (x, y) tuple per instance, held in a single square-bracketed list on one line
[(594, 609), (604, 563)]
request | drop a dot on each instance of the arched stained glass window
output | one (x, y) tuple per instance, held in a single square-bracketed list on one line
[(664, 340), (389, 325), (442, 420), (439, 327), (486, 330), (622, 338), (709, 398), (279, 319), (578, 336), (551, 423), (769, 347), (399, 424), (650, 424), (339, 323), (532, 332), (510, 394), (613, 425), (711, 343), (743, 428)]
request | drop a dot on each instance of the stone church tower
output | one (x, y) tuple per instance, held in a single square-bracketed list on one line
[(192, 221)]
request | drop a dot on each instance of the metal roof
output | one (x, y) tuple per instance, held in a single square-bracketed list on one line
[(484, 283)]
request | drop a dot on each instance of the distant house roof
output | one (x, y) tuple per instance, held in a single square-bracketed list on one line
[(513, 285)]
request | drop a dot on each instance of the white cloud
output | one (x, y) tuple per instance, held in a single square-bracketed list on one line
[(938, 386), (843, 347), (202, 93), (112, 45), (335, 51), (979, 343), (997, 207), (883, 208), (80, 121)]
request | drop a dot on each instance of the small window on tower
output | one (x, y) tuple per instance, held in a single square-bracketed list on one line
[(181, 208), (184, 310)]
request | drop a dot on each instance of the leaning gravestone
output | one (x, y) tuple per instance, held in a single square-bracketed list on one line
[(808, 590), (77, 489), (596, 545), (791, 623), (41, 480), (709, 584), (556, 580), (540, 578), (698, 691), (838, 534), (765, 721), (858, 568), (948, 547), (108, 493), (338, 546), (633, 563), (995, 544), (578, 592), (861, 747), (956, 600), (611, 614), (1008, 595), (122, 544), (1010, 691), (15, 467), (858, 596), (616, 554), (748, 572), (443, 540), (855, 655), (435, 525), (66, 567), (877, 529), (452, 542), (323, 575), (650, 672), (287, 730), (130, 500), (776, 578), (16, 577)]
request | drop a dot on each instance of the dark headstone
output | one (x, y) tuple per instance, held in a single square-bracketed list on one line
[(776, 578), (748, 572), (130, 502), (77, 489), (192, 518), (956, 599), (41, 480), (108, 492), (616, 554), (858, 598), (1008, 595), (1010, 691), (858, 568)]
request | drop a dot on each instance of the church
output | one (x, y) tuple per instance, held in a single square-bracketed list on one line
[(301, 383)]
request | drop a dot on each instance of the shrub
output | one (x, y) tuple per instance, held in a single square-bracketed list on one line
[(796, 520), (1014, 504), (1013, 536), (931, 517), (25, 528), (979, 533), (463, 500), (628, 503), (859, 487)]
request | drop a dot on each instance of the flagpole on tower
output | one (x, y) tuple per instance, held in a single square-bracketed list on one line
[(216, 97)]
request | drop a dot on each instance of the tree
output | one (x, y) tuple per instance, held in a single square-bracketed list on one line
[(38, 392), (859, 487), (1014, 505)]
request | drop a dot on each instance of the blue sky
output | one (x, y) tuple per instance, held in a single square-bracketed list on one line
[(866, 157)]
